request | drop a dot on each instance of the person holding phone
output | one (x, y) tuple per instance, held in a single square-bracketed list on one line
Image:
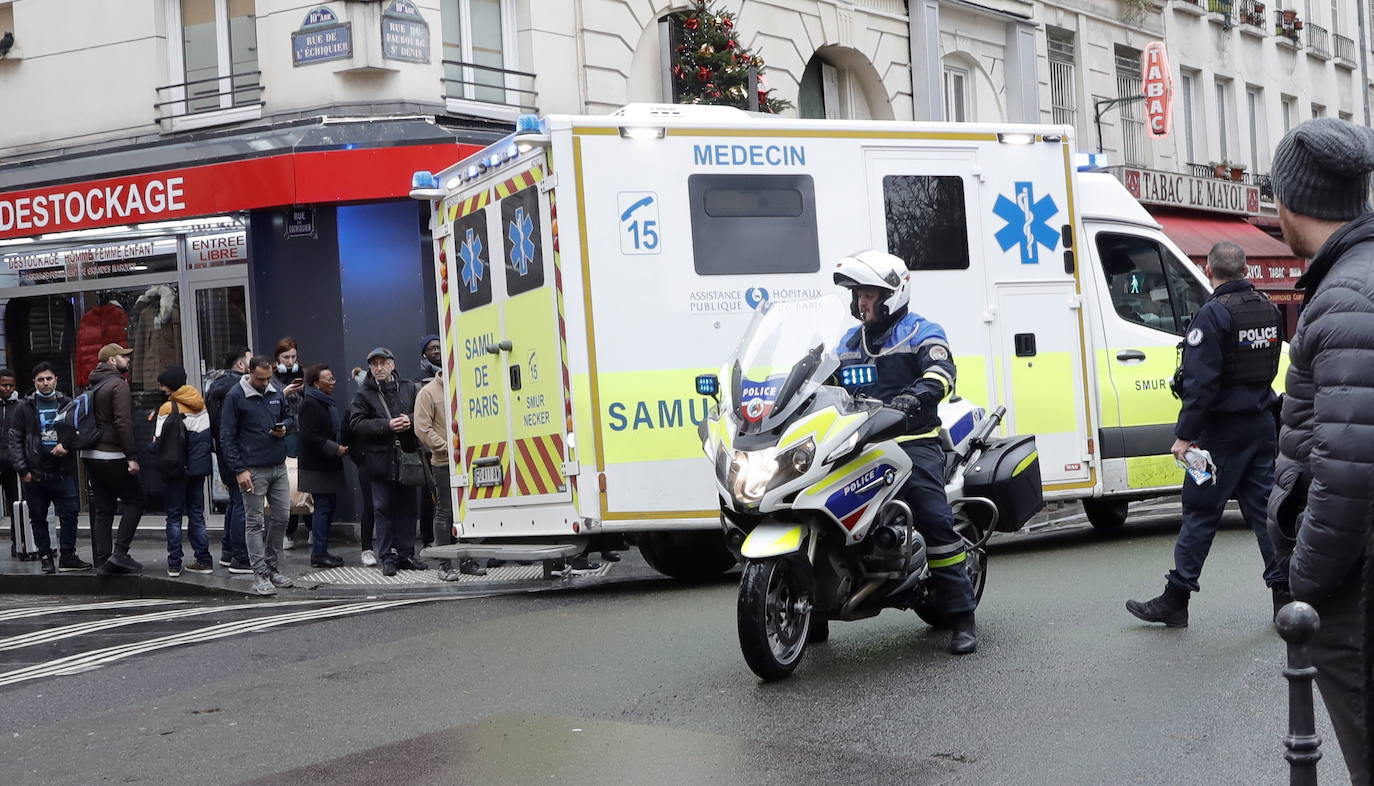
[(254, 423)]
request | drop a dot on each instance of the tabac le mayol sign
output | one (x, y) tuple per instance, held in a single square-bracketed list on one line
[(1158, 89)]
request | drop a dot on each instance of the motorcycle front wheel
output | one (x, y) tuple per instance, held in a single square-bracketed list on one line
[(774, 617)]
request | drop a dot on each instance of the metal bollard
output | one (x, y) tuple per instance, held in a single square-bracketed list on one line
[(1297, 624)]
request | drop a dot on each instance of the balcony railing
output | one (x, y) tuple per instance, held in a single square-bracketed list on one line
[(1288, 25), (1222, 7), (1262, 182), (1251, 12), (1345, 48), (1318, 41), (477, 86), (216, 99)]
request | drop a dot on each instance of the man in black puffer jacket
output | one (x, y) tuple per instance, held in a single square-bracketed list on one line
[(1319, 510), (380, 419)]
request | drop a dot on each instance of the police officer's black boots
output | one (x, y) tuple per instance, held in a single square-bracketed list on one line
[(964, 640), (1171, 608)]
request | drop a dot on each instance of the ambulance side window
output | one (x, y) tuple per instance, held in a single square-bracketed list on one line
[(926, 223), (1135, 271), (743, 224), (1189, 294)]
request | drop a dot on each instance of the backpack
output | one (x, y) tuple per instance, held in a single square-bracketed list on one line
[(75, 423), (169, 449)]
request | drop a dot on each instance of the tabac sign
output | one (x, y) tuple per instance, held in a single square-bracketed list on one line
[(1158, 89), (1198, 193)]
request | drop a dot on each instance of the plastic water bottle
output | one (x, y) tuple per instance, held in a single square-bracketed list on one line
[(1199, 466)]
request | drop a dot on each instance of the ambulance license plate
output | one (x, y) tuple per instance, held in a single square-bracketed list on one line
[(487, 476)]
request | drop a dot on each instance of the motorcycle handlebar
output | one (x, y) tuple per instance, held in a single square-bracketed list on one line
[(989, 425)]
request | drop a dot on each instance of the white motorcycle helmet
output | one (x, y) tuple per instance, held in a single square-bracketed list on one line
[(873, 268)]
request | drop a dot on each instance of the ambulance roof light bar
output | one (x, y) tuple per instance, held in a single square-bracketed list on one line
[(425, 186), (1091, 162), (531, 131)]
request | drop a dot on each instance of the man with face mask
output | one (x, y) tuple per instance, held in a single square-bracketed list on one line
[(915, 372), (112, 465), (47, 469)]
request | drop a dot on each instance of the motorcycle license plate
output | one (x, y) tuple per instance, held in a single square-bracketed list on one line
[(487, 476)]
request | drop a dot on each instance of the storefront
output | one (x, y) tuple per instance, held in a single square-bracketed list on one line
[(1197, 213), (304, 231)]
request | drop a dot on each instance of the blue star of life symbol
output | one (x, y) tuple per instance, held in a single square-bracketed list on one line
[(471, 254), (521, 246), (1027, 223)]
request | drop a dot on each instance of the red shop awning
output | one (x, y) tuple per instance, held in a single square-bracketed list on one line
[(1272, 264)]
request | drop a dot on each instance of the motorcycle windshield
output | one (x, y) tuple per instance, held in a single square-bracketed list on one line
[(787, 352)]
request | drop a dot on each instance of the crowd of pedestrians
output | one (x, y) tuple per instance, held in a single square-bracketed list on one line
[(275, 433)]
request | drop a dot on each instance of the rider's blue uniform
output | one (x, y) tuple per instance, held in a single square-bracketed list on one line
[(912, 357)]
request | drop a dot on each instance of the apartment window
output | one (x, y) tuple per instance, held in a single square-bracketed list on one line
[(1254, 105), (1185, 95), (219, 54), (1222, 122), (1335, 17), (479, 52), (1290, 112), (1132, 125), (1063, 88), (1318, 110), (956, 95)]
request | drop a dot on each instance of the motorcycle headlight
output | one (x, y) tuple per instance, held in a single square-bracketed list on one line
[(750, 473), (794, 462)]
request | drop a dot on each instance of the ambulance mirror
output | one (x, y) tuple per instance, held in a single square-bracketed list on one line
[(708, 385)]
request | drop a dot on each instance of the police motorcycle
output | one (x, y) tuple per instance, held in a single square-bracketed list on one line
[(809, 478)]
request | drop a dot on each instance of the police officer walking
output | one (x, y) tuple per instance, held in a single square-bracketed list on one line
[(915, 372), (1230, 359)]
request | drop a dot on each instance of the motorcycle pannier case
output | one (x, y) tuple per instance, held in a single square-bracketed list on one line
[(1008, 474)]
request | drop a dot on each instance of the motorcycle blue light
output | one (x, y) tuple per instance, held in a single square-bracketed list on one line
[(858, 376)]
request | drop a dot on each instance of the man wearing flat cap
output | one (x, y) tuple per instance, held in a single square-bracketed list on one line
[(1321, 507)]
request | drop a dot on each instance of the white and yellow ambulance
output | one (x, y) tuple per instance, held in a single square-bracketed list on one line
[(589, 268)]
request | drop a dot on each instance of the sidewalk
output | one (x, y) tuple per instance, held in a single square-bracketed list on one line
[(352, 580)]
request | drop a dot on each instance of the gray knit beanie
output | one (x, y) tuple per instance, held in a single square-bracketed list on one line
[(1321, 169)]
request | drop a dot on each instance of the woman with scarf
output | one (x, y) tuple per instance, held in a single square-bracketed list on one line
[(288, 377), (321, 472)]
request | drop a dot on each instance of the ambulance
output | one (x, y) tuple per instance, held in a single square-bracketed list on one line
[(588, 268)]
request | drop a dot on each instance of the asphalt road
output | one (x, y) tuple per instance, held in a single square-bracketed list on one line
[(643, 683)]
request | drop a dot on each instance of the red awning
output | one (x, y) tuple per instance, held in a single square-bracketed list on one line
[(1271, 262)]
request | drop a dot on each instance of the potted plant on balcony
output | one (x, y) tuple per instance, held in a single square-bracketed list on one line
[(1237, 172)]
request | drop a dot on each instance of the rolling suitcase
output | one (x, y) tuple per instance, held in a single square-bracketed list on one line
[(23, 547)]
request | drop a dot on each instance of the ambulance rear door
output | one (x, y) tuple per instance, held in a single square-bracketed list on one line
[(503, 333)]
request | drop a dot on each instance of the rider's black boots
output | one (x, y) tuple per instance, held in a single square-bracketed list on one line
[(964, 640)]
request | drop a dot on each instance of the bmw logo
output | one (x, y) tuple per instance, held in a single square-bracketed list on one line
[(889, 477)]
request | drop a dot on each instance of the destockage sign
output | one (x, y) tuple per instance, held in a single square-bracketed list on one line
[(290, 179), (60, 209)]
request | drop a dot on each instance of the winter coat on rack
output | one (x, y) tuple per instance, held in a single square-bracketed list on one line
[(107, 324), (156, 335)]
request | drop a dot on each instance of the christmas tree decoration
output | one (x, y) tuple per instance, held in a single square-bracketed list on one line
[(711, 66)]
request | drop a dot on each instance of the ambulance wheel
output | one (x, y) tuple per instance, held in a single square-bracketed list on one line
[(1105, 514), (692, 556)]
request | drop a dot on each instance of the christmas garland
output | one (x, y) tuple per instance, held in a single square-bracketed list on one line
[(711, 67)]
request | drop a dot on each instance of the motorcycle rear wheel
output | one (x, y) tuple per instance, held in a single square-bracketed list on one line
[(773, 616)]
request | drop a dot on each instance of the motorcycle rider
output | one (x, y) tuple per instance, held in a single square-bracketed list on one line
[(914, 372)]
